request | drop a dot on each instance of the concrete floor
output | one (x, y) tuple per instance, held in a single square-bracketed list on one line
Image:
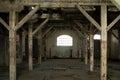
[(63, 69)]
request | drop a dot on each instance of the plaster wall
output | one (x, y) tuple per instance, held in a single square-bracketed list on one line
[(4, 59), (62, 51), (115, 48)]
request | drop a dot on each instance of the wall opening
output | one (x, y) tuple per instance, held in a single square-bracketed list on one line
[(64, 40), (97, 37)]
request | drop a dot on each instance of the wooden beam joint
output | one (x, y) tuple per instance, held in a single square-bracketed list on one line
[(95, 23), (4, 24)]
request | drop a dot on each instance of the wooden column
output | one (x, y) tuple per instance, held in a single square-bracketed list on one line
[(91, 52), (23, 43), (86, 52), (119, 41), (12, 45), (80, 51), (6, 52), (103, 42), (39, 47), (30, 45), (44, 48), (109, 34)]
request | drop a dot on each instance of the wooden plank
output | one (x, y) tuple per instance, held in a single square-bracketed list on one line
[(4, 23), (30, 46), (113, 23), (103, 74), (89, 17), (91, 52), (40, 26), (26, 18), (12, 45)]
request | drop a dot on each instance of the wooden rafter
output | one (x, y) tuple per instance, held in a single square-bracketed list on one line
[(113, 23), (40, 26), (89, 17), (26, 18), (4, 23)]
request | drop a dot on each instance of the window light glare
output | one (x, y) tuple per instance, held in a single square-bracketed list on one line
[(97, 37), (33, 7), (64, 40)]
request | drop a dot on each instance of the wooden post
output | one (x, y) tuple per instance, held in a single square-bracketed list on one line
[(103, 42), (119, 41), (12, 44), (91, 52), (6, 51), (80, 51), (86, 52), (23, 43), (30, 45), (39, 47), (44, 48), (109, 44)]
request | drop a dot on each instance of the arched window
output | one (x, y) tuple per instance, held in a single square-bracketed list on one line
[(97, 37), (64, 40)]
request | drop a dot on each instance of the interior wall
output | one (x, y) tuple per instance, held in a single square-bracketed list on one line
[(115, 46), (4, 56), (60, 51), (97, 49)]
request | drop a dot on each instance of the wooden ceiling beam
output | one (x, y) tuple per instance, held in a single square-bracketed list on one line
[(4, 24), (116, 3), (26, 18), (5, 6), (114, 35), (92, 20), (113, 22), (40, 26)]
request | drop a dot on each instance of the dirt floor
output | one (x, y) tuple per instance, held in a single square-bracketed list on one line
[(64, 69)]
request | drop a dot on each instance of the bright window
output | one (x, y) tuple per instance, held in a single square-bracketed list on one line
[(97, 37), (64, 40)]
